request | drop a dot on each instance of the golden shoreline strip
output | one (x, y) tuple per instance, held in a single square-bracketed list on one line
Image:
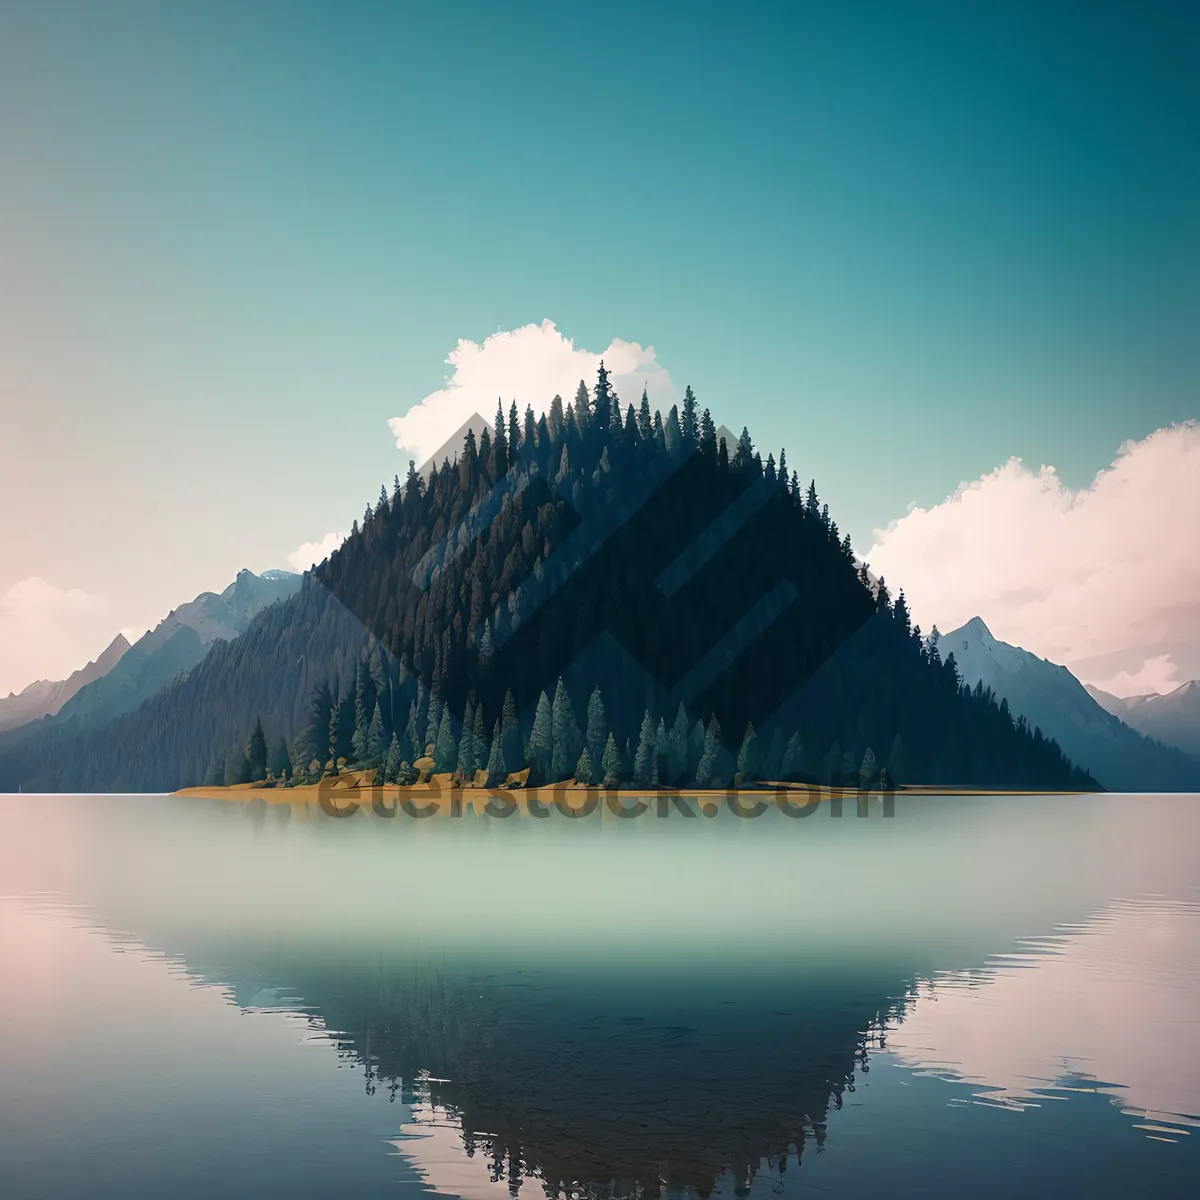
[(346, 796)]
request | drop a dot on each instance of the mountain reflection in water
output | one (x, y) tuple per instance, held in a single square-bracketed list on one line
[(648, 1009)]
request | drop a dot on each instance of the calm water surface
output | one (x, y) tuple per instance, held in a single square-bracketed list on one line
[(976, 996)]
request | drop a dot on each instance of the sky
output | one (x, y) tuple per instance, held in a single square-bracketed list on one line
[(239, 243)]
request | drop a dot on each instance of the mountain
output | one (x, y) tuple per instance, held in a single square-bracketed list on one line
[(46, 697), (1173, 718), (178, 642), (588, 595), (1052, 699), (174, 646)]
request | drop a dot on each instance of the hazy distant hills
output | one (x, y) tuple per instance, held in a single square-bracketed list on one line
[(1173, 718), (46, 697), (126, 676), (178, 642), (1051, 698)]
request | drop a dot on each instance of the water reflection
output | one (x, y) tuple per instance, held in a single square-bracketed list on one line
[(1108, 1006), (645, 1012)]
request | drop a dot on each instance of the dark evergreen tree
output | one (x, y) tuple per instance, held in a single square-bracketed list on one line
[(689, 424), (610, 764), (597, 726), (496, 771), (391, 764), (645, 762)]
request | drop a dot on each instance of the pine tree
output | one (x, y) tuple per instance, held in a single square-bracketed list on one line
[(706, 769), (747, 760), (414, 484), (645, 762), (584, 772), (689, 425), (500, 444), (566, 734), (510, 735), (583, 414), (708, 434), (745, 449), (445, 755), (541, 737), (597, 727), (481, 742), (672, 433), (610, 764), (391, 764), (487, 650), (434, 723), (557, 421), (514, 433), (604, 399), (496, 773), (468, 752), (362, 715), (645, 420), (632, 433), (376, 739), (335, 721)]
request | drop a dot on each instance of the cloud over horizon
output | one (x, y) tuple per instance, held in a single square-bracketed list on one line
[(1105, 579), (311, 553), (531, 365)]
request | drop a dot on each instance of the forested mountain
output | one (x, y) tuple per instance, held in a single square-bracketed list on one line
[(47, 696), (1050, 697), (614, 597)]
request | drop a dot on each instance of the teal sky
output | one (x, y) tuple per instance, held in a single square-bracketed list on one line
[(907, 242)]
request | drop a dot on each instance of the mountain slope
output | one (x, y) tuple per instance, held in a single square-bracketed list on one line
[(178, 642), (693, 612), (47, 697), (1050, 697), (1173, 718)]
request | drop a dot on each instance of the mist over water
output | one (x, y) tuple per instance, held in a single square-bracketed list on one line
[(208, 996)]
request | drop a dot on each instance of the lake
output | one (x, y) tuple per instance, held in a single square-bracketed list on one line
[(975, 995)]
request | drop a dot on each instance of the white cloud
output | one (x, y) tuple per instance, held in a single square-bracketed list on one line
[(47, 632), (530, 365), (1105, 579), (312, 553)]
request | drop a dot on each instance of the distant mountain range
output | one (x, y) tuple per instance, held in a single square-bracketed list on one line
[(1173, 718), (1050, 697), (132, 674), (46, 697)]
